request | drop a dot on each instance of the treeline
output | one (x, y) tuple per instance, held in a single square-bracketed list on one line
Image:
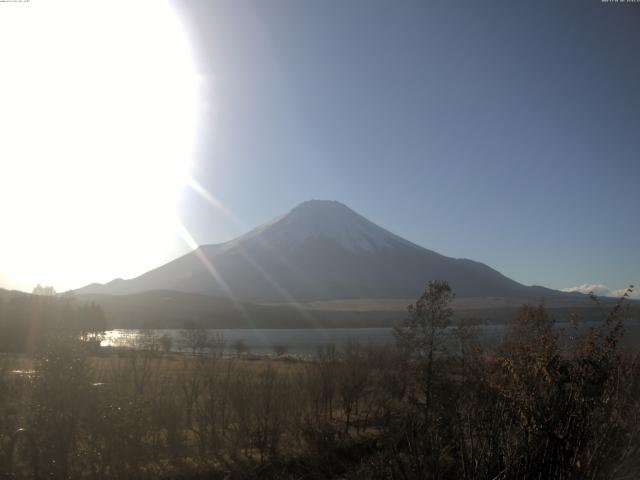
[(28, 321), (437, 405)]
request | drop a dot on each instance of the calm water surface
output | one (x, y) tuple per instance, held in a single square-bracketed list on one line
[(307, 341), (263, 341)]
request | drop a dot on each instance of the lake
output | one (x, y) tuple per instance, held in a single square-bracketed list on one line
[(296, 341), (263, 341), (306, 341)]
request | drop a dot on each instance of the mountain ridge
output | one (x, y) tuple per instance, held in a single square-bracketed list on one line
[(319, 250)]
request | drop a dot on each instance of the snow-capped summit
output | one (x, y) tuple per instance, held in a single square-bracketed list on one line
[(324, 219), (320, 250)]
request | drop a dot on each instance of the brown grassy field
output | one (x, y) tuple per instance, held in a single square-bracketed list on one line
[(531, 406)]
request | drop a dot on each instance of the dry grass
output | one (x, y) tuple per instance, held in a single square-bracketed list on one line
[(532, 407)]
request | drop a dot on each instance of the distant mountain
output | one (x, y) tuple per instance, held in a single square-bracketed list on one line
[(172, 309), (6, 295), (320, 250)]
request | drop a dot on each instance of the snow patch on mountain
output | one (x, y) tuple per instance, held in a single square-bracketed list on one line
[(324, 219)]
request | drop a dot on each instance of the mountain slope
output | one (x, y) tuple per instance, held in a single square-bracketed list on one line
[(320, 250)]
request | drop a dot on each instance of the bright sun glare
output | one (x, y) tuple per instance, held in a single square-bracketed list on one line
[(97, 119)]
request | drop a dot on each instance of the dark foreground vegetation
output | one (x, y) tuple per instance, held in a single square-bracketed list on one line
[(28, 322), (531, 407)]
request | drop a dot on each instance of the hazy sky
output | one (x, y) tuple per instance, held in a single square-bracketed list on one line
[(504, 132)]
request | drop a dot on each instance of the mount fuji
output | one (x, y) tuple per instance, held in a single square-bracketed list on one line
[(321, 250)]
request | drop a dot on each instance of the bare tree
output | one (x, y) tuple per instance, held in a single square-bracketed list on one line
[(217, 344), (148, 340), (44, 290), (240, 346), (417, 336), (280, 350), (195, 339), (166, 342)]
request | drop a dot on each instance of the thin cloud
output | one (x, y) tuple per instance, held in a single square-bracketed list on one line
[(596, 288), (602, 290), (635, 293)]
